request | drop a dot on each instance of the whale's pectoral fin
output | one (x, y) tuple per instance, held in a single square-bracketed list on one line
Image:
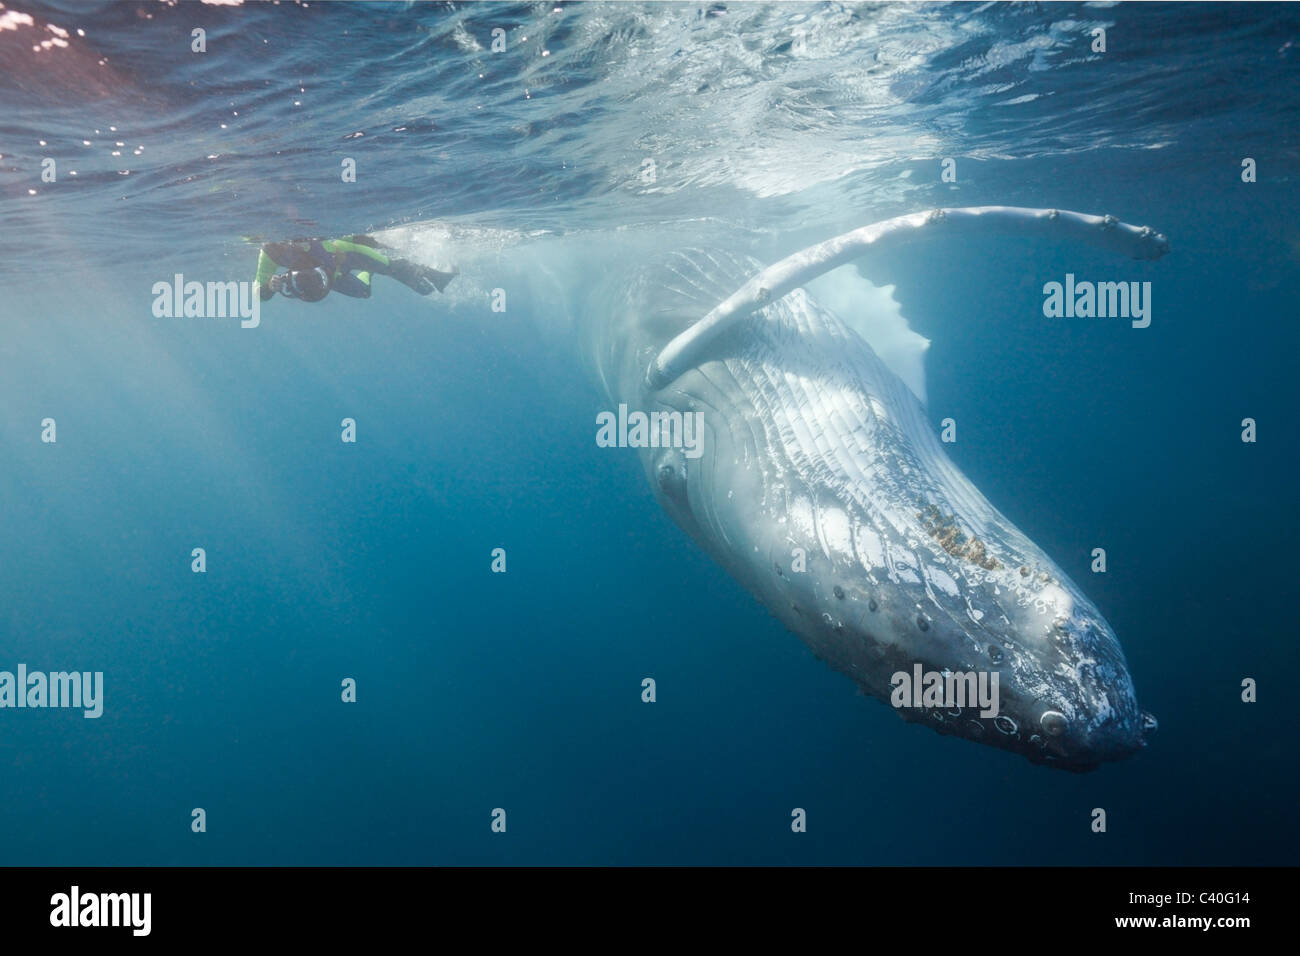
[(691, 347)]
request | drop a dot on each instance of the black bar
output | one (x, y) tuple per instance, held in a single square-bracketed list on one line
[(333, 906)]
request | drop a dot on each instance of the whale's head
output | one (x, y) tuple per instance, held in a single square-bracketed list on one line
[(1042, 672), (1066, 687), (816, 480), (1011, 656)]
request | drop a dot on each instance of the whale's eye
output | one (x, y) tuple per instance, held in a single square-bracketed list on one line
[(995, 654), (872, 605), (922, 623), (839, 592)]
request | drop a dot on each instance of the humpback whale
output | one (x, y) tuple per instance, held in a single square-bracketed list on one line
[(814, 478), (823, 489)]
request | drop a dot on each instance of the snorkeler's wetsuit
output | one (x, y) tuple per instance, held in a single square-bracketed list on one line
[(341, 258)]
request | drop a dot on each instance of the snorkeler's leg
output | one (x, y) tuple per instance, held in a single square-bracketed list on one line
[(422, 279), (357, 286)]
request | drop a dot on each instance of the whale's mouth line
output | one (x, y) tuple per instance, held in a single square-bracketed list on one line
[(1048, 740)]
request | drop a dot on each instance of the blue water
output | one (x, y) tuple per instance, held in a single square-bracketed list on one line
[(475, 429)]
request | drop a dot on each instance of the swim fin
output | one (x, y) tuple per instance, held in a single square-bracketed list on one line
[(440, 279)]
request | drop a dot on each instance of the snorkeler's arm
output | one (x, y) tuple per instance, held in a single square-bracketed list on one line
[(266, 268), (276, 255), (271, 257)]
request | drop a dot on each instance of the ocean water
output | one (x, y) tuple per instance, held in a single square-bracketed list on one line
[(768, 127)]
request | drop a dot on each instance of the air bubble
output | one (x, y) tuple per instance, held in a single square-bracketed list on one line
[(1053, 723)]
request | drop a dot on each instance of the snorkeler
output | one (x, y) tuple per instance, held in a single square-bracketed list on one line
[(318, 267)]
